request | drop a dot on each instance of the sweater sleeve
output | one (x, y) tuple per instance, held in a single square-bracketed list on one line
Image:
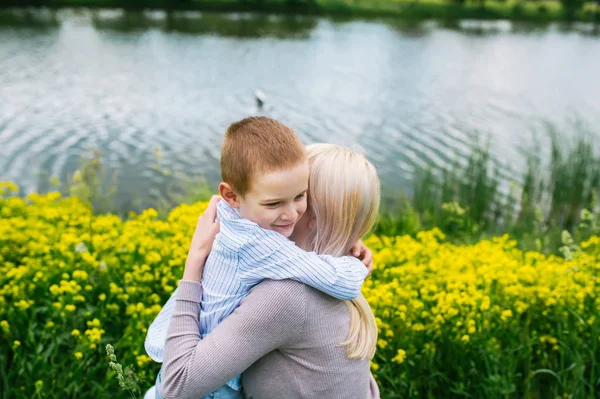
[(373, 388), (270, 317)]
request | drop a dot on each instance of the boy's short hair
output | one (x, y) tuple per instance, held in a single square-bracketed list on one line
[(257, 145)]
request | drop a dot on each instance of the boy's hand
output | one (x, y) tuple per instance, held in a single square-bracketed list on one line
[(360, 251), (202, 241)]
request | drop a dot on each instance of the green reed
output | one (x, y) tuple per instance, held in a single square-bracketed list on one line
[(467, 203)]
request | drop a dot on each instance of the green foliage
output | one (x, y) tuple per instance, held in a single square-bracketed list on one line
[(90, 183), (397, 216), (466, 203), (531, 10), (571, 7), (128, 380)]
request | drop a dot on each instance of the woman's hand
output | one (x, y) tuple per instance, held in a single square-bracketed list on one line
[(360, 251), (202, 241)]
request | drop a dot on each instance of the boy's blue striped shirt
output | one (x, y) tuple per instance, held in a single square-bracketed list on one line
[(243, 255)]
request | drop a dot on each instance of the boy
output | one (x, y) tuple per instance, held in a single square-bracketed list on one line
[(265, 177)]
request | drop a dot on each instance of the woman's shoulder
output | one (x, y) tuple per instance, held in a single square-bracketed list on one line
[(287, 298), (279, 301), (291, 291), (284, 290)]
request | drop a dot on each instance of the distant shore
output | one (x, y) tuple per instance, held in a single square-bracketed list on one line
[(538, 11)]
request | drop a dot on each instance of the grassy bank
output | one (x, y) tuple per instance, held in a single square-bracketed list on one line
[(542, 11), (482, 320)]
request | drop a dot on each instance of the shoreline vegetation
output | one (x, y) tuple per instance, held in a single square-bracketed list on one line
[(515, 10), (471, 200)]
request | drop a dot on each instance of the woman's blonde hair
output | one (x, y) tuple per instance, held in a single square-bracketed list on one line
[(344, 198)]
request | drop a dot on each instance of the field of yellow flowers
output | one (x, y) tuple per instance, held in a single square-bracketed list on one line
[(485, 320)]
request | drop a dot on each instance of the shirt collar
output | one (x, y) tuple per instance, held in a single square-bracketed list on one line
[(226, 212)]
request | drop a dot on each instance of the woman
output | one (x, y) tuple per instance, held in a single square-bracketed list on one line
[(289, 340)]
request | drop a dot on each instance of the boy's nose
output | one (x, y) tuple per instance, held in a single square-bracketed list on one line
[(288, 214), (285, 216)]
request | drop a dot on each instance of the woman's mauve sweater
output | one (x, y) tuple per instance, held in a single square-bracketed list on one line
[(284, 337)]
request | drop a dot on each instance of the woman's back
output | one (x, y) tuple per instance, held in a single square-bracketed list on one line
[(312, 364)]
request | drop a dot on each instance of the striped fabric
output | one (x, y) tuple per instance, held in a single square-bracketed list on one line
[(243, 255)]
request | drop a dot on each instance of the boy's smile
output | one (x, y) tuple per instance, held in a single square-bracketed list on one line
[(276, 200)]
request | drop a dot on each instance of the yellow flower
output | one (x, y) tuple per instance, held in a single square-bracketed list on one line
[(142, 360), (465, 338), (75, 333), (49, 324), (93, 323), (485, 303), (153, 257), (115, 289), (16, 344), (9, 186), (22, 305), (38, 384), (400, 356), (113, 308), (507, 314), (5, 326), (80, 275), (78, 355), (548, 339), (70, 308), (94, 334)]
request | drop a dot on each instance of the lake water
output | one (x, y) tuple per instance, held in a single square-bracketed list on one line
[(154, 92)]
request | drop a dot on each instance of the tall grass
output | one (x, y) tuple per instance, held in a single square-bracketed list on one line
[(466, 200), (93, 184)]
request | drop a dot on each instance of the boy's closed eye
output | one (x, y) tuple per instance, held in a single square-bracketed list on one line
[(276, 203)]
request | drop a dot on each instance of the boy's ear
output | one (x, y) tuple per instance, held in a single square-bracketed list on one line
[(229, 195)]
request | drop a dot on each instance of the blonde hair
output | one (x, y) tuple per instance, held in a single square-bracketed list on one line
[(344, 198), (258, 145)]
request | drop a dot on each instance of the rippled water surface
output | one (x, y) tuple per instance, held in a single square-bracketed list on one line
[(154, 92)]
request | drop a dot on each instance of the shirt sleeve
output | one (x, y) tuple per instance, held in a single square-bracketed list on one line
[(267, 319), (269, 255), (157, 332)]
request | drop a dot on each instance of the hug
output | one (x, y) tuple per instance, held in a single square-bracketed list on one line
[(270, 304)]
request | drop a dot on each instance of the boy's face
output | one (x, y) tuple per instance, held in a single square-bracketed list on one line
[(277, 200)]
